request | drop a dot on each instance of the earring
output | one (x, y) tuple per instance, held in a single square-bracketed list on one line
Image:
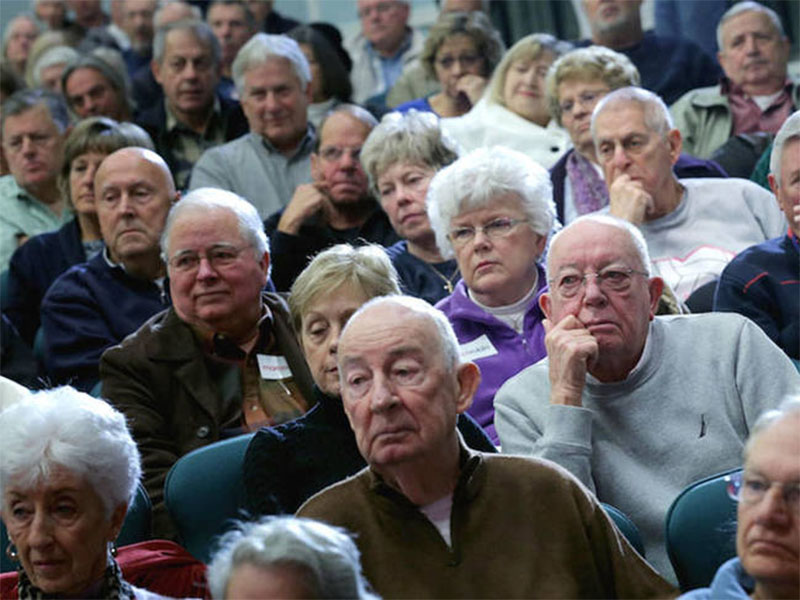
[(112, 548), (11, 552)]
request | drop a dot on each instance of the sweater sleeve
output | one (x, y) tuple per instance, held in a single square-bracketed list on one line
[(264, 474), (529, 425)]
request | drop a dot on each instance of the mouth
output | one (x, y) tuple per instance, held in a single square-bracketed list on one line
[(411, 217), (768, 546), (600, 326), (484, 264)]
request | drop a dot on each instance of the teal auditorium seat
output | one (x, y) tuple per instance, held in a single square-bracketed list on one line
[(626, 526), (204, 492), (701, 530), (136, 528), (4, 287)]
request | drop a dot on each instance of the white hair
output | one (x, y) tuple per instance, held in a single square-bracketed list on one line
[(789, 131), (788, 408), (57, 55), (656, 114), (67, 428), (477, 179), (327, 555), (749, 6), (205, 200), (262, 47), (448, 342), (636, 237)]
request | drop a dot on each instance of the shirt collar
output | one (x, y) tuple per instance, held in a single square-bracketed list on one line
[(173, 122), (305, 146)]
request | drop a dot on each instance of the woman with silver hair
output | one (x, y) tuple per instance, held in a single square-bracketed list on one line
[(513, 111), (49, 67), (287, 557), (461, 51), (493, 210), (401, 156), (69, 469), (35, 265), (287, 464)]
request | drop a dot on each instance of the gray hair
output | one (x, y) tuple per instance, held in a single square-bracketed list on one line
[(749, 6), (194, 11), (199, 30), (476, 180), (636, 237), (326, 555), (207, 199), (262, 47), (414, 137), (789, 407), (448, 342), (656, 114), (57, 55), (25, 100), (595, 62), (67, 428), (9, 30), (101, 60), (476, 26), (366, 268), (789, 131), (354, 110), (531, 47)]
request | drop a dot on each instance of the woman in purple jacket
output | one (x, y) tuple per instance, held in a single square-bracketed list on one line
[(493, 210)]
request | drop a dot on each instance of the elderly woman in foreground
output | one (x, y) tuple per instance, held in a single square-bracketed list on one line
[(287, 464), (401, 156), (68, 471), (493, 210), (287, 557), (513, 111), (768, 530)]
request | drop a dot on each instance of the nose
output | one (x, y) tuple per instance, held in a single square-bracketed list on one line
[(204, 270), (751, 45), (592, 293), (28, 147), (620, 158), (383, 395), (481, 240), (772, 510), (40, 533), (90, 106), (125, 205)]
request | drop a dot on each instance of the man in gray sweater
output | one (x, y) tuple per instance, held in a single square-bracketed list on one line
[(637, 407)]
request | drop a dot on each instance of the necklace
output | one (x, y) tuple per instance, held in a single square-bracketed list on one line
[(449, 282)]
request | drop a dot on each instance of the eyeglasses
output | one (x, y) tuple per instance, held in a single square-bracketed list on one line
[(37, 140), (334, 153), (498, 228), (610, 279), (465, 60), (750, 489), (587, 98), (219, 257)]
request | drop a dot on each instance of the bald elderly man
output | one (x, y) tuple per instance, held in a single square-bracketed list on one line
[(434, 519), (637, 407), (97, 304)]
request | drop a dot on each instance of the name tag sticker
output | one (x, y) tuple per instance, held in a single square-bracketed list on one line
[(478, 348), (273, 367)]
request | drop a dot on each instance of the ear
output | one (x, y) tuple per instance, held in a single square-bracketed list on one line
[(308, 93), (546, 304), (316, 172), (177, 197), (675, 144), (264, 265), (541, 244), (773, 185), (117, 519), (469, 378), (156, 69), (656, 287)]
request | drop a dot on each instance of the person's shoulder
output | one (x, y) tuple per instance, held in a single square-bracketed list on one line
[(685, 329), (75, 280), (727, 187), (701, 97), (533, 377), (521, 473), (340, 500), (160, 328)]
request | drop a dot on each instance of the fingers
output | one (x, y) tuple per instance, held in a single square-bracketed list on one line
[(571, 351), (307, 200), (629, 200)]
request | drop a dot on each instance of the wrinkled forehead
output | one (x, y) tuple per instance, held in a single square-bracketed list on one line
[(747, 21), (386, 329), (592, 244)]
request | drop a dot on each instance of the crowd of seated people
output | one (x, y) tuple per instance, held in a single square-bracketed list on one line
[(197, 197)]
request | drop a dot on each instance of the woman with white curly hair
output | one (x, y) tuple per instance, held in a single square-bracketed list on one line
[(493, 210)]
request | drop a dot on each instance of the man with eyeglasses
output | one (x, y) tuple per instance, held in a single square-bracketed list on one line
[(693, 227), (383, 47), (636, 406), (33, 126), (223, 360), (768, 515), (95, 305), (336, 207)]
